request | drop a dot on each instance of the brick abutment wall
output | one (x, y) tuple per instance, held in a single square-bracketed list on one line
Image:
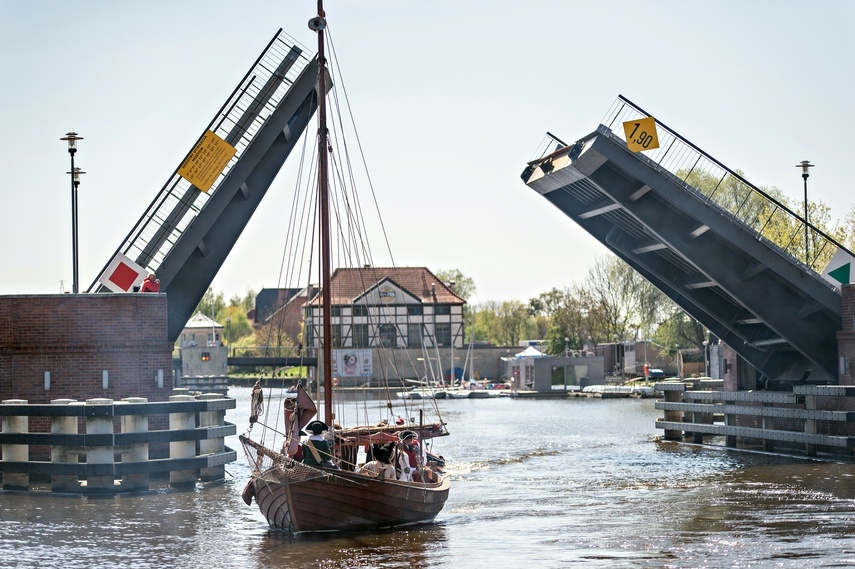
[(84, 346)]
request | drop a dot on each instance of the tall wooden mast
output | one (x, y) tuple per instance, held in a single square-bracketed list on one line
[(319, 24)]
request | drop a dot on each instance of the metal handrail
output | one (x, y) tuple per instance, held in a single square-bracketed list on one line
[(681, 158)]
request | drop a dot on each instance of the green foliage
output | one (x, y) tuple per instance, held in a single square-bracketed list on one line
[(246, 302), (232, 315), (211, 305), (464, 286), (680, 331), (237, 325)]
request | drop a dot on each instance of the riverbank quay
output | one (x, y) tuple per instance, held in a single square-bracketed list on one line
[(101, 446)]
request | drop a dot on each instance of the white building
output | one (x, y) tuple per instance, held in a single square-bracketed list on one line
[(406, 307)]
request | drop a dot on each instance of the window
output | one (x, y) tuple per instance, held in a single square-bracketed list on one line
[(360, 311), (360, 336), (442, 309), (414, 335), (558, 378), (388, 335), (415, 310), (335, 311), (443, 334), (335, 331)]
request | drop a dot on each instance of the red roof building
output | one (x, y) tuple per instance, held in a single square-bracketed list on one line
[(397, 307)]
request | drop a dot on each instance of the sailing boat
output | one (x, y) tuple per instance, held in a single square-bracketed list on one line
[(324, 491)]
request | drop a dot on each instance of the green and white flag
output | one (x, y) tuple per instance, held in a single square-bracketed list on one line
[(839, 270)]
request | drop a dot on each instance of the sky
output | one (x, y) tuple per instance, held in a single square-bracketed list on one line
[(451, 98)]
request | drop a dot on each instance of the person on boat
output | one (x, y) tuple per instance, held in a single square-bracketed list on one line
[(150, 284), (410, 459), (298, 454), (316, 449), (380, 467)]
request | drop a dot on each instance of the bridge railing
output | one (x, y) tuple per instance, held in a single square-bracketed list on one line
[(715, 183), (271, 352), (103, 446)]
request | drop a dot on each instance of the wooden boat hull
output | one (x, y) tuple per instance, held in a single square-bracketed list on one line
[(345, 501)]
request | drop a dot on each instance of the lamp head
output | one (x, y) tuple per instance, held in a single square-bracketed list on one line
[(76, 175), (72, 139), (804, 165)]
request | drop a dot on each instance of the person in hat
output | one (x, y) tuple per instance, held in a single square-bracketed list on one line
[(316, 449), (380, 467), (410, 458)]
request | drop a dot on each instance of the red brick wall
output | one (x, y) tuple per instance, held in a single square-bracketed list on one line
[(846, 336), (75, 338)]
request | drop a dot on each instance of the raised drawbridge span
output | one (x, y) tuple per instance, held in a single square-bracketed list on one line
[(197, 216), (729, 254)]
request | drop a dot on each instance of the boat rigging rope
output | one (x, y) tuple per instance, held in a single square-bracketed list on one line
[(256, 405)]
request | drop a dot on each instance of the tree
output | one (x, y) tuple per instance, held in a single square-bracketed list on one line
[(246, 302), (788, 232), (212, 305), (512, 319), (237, 325), (680, 329), (463, 286)]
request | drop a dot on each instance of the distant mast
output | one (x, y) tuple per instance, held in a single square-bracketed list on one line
[(319, 24)]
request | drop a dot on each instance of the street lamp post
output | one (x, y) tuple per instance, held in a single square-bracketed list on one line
[(72, 139), (804, 165)]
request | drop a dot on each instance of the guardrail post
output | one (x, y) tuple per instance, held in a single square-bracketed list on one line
[(16, 453), (182, 449), (213, 418), (137, 452), (62, 453), (810, 424), (674, 396), (768, 424), (730, 421), (101, 424)]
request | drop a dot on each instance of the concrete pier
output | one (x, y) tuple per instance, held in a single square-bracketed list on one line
[(115, 440), (182, 449), (100, 425), (211, 446), (16, 453), (64, 425), (136, 452)]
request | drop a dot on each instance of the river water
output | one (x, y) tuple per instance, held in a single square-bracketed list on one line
[(540, 483)]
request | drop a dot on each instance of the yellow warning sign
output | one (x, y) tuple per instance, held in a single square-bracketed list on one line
[(641, 134), (207, 161)]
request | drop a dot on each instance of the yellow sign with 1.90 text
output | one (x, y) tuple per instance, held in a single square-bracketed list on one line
[(207, 161), (641, 134)]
